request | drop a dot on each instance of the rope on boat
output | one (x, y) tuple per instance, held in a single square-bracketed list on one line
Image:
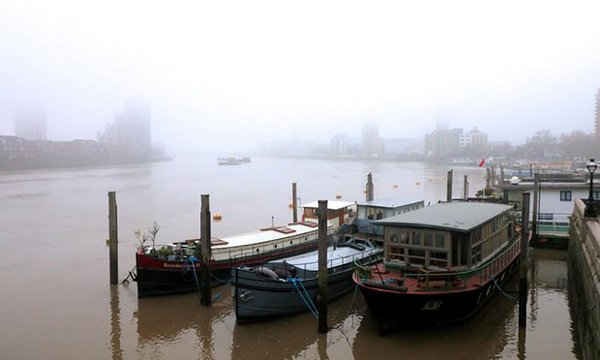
[(304, 296), (131, 275), (219, 280), (192, 260), (507, 295)]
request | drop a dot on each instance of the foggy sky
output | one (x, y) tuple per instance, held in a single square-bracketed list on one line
[(225, 73)]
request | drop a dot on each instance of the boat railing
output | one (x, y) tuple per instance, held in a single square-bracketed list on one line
[(342, 260), (479, 275), (553, 223)]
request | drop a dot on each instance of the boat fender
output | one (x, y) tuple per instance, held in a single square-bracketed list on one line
[(266, 272)]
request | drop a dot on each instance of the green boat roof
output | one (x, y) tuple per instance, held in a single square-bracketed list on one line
[(458, 216)]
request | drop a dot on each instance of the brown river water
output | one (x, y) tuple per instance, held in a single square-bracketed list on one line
[(56, 302)]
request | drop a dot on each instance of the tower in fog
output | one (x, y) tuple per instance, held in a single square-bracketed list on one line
[(372, 143), (129, 136), (30, 123)]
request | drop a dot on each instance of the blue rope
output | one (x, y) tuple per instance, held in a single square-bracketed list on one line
[(307, 295), (307, 302), (508, 296), (192, 260)]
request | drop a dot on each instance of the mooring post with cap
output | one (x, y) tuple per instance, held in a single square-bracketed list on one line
[(294, 204), (322, 297), (523, 262), (449, 185), (113, 238), (205, 238)]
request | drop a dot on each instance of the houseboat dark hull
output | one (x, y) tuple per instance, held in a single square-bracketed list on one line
[(259, 298), (395, 309), (157, 277)]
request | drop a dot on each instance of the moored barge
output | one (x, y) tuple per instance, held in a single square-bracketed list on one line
[(175, 268), (290, 286), (441, 263)]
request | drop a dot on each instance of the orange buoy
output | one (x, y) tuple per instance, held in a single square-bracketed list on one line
[(217, 217)]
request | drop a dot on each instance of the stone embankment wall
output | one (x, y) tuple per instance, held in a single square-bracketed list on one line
[(584, 280)]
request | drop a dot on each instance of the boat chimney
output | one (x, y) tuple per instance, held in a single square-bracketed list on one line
[(369, 190)]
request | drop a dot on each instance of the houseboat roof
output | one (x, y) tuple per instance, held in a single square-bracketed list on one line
[(389, 203), (458, 216), (331, 204), (529, 185), (264, 235)]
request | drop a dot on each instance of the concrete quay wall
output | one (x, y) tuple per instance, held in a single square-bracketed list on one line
[(584, 280)]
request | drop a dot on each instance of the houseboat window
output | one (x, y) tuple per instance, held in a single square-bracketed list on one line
[(275, 246), (546, 216), (416, 238), (440, 241), (476, 235), (394, 238), (596, 195), (416, 256), (565, 195), (440, 255), (476, 254), (403, 238), (428, 239), (292, 241), (438, 258)]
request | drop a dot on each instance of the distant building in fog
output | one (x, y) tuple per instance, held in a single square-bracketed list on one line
[(597, 127), (129, 136), (445, 143), (473, 138), (442, 143), (30, 123), (372, 143), (340, 145)]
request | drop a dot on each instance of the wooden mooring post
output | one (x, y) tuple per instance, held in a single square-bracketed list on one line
[(294, 204), (205, 238), (449, 185), (370, 188), (466, 187), (523, 262), (113, 238), (322, 296), (534, 211)]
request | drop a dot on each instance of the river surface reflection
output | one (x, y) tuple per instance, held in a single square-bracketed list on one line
[(53, 226)]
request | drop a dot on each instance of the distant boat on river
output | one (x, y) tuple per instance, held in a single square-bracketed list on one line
[(233, 160)]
